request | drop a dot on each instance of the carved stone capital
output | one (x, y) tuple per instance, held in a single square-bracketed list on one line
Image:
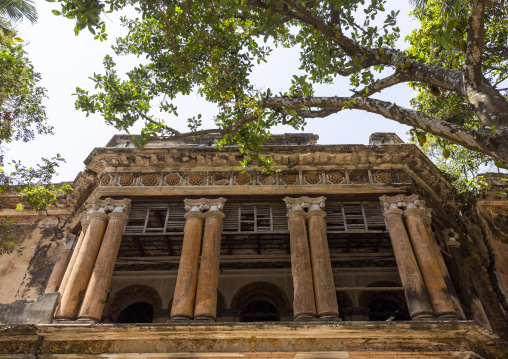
[(110, 205), (392, 202), (315, 204), (301, 203), (215, 205), (195, 205), (295, 204)]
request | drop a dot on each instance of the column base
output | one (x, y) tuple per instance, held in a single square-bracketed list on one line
[(63, 321), (304, 318), (204, 319), (86, 321), (179, 319), (423, 317), (329, 318), (447, 317)]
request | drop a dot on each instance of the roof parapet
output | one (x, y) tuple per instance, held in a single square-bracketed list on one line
[(384, 138)]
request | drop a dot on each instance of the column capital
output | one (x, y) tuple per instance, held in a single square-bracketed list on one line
[(300, 203), (392, 202), (109, 205), (215, 205), (295, 204), (195, 205)]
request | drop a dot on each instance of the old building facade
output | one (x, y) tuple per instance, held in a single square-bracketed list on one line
[(343, 251)]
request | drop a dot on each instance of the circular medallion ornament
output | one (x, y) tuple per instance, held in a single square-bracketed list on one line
[(149, 180), (335, 177), (105, 180), (289, 178), (126, 180), (220, 179), (173, 179), (243, 179), (197, 179), (383, 177), (265, 179), (404, 177), (312, 177)]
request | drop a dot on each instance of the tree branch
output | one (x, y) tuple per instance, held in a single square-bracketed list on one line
[(396, 78), (149, 119), (494, 145)]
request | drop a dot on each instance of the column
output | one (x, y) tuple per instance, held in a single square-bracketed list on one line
[(85, 221), (324, 285), (85, 260), (429, 259), (304, 306), (414, 289), (97, 290), (58, 272), (186, 280), (208, 279)]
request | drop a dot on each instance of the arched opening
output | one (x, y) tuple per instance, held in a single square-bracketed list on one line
[(139, 312), (384, 307), (134, 304), (260, 302), (259, 308)]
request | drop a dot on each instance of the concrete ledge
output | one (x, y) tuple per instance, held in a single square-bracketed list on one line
[(437, 339), (39, 311)]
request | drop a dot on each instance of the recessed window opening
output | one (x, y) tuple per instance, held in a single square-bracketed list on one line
[(140, 312)]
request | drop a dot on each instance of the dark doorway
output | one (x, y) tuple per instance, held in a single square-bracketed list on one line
[(140, 312), (259, 309)]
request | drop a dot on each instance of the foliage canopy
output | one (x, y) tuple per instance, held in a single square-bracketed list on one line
[(22, 116), (211, 47)]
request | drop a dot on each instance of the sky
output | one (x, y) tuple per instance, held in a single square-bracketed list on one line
[(66, 61)]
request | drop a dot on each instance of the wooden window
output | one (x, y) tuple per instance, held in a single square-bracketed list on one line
[(156, 218), (251, 217), (354, 217)]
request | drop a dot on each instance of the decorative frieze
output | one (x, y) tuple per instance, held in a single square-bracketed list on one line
[(291, 177)]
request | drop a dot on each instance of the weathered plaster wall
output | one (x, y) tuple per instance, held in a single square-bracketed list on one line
[(25, 276)]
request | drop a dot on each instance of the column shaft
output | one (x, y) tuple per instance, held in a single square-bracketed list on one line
[(324, 286), (428, 257), (58, 271), (416, 295), (72, 261), (208, 280), (186, 280), (304, 305), (97, 290), (82, 270)]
